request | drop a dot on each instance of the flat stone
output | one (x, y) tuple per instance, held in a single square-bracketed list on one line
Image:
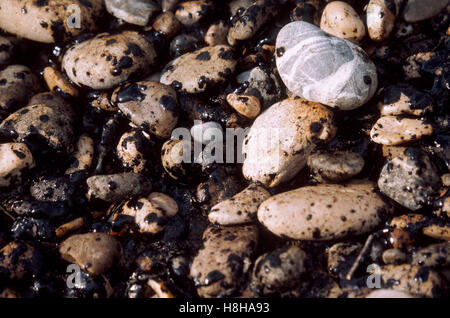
[(136, 12), (395, 130), (418, 10), (15, 158)]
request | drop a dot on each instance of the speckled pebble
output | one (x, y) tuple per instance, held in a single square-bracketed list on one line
[(130, 150), (19, 260), (81, 159), (341, 257), (434, 255), (191, 12), (217, 34), (56, 82), (17, 85), (405, 100), (438, 232), (14, 159), (393, 256), (247, 105), (395, 130), (381, 15), (167, 24)]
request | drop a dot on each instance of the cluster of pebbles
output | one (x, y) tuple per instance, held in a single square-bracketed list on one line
[(352, 200)]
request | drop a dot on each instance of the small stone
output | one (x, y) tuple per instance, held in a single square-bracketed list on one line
[(191, 12), (408, 221), (169, 5), (81, 159), (335, 166), (247, 105), (239, 6), (339, 75), (418, 10), (434, 255), (324, 212), (410, 179), (51, 189), (400, 239), (175, 157), (405, 100), (130, 150), (95, 253), (341, 257), (103, 102), (388, 293), (15, 158), (217, 34), (342, 21), (394, 256), (381, 16), (239, 209), (7, 49), (437, 232), (69, 227), (183, 43), (167, 24), (219, 187), (394, 130), (204, 133), (57, 83), (137, 12), (17, 85)]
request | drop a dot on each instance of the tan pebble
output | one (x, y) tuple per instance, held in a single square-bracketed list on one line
[(445, 178), (407, 221), (400, 239), (102, 101), (57, 83), (401, 99), (167, 24), (9, 293), (191, 12), (130, 150), (217, 34), (380, 19), (69, 227), (160, 288), (391, 152), (83, 156), (14, 159), (393, 256), (388, 293), (437, 232), (246, 105), (392, 130), (434, 255)]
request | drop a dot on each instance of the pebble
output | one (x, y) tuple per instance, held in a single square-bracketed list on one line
[(17, 85), (239, 6), (69, 227), (183, 43), (150, 104), (130, 150), (324, 212), (50, 99), (169, 5), (380, 18), (280, 140), (95, 253), (53, 124), (51, 189), (221, 185), (335, 166), (395, 130), (405, 100), (339, 75), (408, 221), (150, 214), (81, 159), (7, 49), (247, 105), (341, 257), (410, 179), (137, 12), (173, 157), (388, 293), (278, 270), (57, 83), (434, 255), (418, 10), (217, 34), (102, 101), (15, 158), (9, 293), (239, 209), (199, 71), (221, 265), (307, 11), (19, 260), (106, 61), (205, 132), (116, 187), (400, 239), (411, 279), (167, 24), (46, 21), (191, 12), (437, 232), (393, 256), (342, 21)]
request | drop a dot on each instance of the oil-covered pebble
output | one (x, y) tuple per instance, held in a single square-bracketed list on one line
[(410, 179), (341, 257), (241, 208), (108, 60), (221, 265), (247, 105), (14, 159), (191, 12), (19, 260), (341, 20), (150, 104), (51, 189), (117, 187), (173, 155), (395, 130), (405, 100), (434, 255), (95, 253), (130, 150), (167, 24), (340, 74), (198, 71), (57, 83), (381, 15), (335, 166), (278, 270), (49, 21), (323, 212), (217, 34), (281, 138), (17, 85), (137, 12), (418, 10), (81, 159)]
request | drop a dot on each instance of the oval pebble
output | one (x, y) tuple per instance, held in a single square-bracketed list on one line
[(57, 83), (380, 18), (324, 212), (247, 105), (7, 49), (395, 130), (17, 85), (191, 12), (15, 158), (130, 150), (217, 34), (81, 159), (434, 255), (167, 24), (137, 12), (341, 257), (339, 74), (418, 10)]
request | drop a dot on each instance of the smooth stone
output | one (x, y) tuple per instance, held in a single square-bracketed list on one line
[(393, 256), (182, 44), (247, 105), (341, 257), (56, 82), (322, 68), (239, 209), (130, 150), (438, 232), (394, 130), (198, 71), (405, 99), (418, 10), (281, 138), (434, 255), (380, 18), (15, 158), (17, 85), (167, 24), (93, 252), (217, 34), (388, 293), (205, 131), (7, 49), (136, 12), (324, 212), (191, 12), (410, 179), (81, 159)]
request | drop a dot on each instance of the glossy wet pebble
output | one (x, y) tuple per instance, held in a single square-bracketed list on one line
[(323, 212), (19, 260), (239, 209), (95, 253), (395, 130), (340, 74), (167, 24), (117, 187), (222, 263), (247, 105), (51, 189), (151, 104), (432, 255), (418, 10), (335, 166), (15, 158), (108, 60), (48, 21), (136, 12), (278, 270), (405, 100), (198, 71), (191, 12), (130, 150), (341, 20), (380, 18), (341, 257), (411, 179), (17, 85), (280, 140), (58, 83)]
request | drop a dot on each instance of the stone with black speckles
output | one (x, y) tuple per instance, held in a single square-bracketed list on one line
[(14, 159), (20, 260), (191, 12), (341, 257), (167, 24), (149, 103), (221, 265), (137, 12), (7, 49), (17, 85), (51, 189), (217, 33), (281, 138), (106, 61), (49, 21), (196, 73), (247, 105), (395, 130), (324, 212), (410, 179), (434, 255), (130, 150), (380, 18), (405, 100), (81, 159)]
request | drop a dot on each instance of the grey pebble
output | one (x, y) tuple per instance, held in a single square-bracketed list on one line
[(137, 12), (418, 10)]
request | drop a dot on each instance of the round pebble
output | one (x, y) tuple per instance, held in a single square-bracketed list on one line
[(395, 130), (15, 158)]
